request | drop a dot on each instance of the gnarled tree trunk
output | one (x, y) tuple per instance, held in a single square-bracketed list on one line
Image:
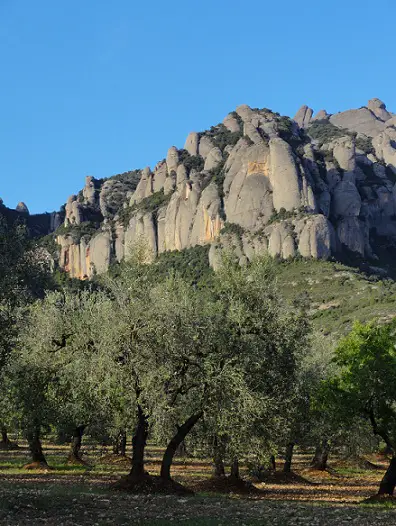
[(288, 457), (5, 441), (75, 447), (235, 469), (35, 447), (321, 456), (139, 442), (120, 443), (175, 442), (218, 455), (388, 483)]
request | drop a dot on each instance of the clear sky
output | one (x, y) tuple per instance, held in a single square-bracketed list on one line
[(98, 87)]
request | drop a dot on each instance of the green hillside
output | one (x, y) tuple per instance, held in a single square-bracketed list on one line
[(337, 295)]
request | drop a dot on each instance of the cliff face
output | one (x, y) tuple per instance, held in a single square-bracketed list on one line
[(258, 182)]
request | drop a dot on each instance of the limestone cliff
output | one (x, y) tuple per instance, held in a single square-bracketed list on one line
[(314, 186)]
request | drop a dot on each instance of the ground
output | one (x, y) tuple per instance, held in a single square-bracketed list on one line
[(84, 495)]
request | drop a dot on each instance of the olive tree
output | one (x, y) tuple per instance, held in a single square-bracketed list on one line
[(365, 386)]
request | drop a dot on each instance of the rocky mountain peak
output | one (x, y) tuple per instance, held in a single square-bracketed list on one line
[(22, 208), (316, 186)]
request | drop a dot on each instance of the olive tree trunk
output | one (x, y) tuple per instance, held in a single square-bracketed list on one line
[(319, 462), (288, 457), (75, 446), (218, 456), (5, 441), (388, 483), (139, 442), (35, 447), (234, 474), (175, 442), (120, 443)]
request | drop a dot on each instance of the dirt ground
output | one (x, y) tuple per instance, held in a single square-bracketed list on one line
[(84, 495)]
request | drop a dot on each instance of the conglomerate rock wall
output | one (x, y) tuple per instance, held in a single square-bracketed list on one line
[(259, 182)]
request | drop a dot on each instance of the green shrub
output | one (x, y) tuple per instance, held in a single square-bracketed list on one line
[(222, 136), (233, 229), (324, 131), (281, 215), (86, 229), (49, 243), (365, 144), (151, 203)]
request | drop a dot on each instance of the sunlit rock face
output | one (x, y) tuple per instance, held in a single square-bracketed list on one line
[(256, 183)]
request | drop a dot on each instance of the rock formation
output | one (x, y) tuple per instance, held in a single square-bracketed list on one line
[(314, 186)]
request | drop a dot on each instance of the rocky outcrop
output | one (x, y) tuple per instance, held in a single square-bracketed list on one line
[(379, 109), (361, 121), (231, 123), (284, 176), (385, 147), (192, 143), (90, 192), (271, 190), (304, 116), (22, 208), (73, 209)]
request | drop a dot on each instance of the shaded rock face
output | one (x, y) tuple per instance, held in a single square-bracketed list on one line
[(259, 183), (22, 208)]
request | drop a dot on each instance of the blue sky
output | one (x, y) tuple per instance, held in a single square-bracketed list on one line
[(92, 87)]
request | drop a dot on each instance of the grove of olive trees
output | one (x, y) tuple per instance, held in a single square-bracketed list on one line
[(229, 370)]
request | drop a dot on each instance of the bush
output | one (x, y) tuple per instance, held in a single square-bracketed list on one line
[(365, 144), (233, 229), (86, 229), (149, 204), (222, 136), (324, 131), (191, 263), (282, 215)]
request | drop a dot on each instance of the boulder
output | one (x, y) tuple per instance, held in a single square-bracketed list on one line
[(205, 146), (321, 116), (181, 175), (284, 176), (346, 200), (344, 152), (316, 238), (350, 233), (251, 131), (213, 159), (361, 121), (391, 123), (303, 116), (385, 147), (245, 112), (379, 109), (159, 176), (207, 221), (73, 210), (172, 159), (141, 233), (99, 252), (89, 191), (22, 208), (192, 143), (281, 240), (231, 123), (144, 187), (248, 192)]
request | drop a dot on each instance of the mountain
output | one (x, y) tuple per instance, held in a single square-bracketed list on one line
[(318, 186)]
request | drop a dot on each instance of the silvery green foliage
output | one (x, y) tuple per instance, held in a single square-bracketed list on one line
[(61, 370)]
